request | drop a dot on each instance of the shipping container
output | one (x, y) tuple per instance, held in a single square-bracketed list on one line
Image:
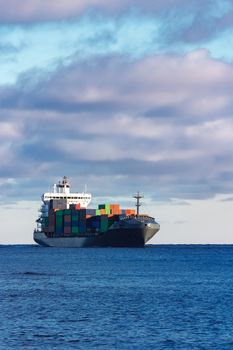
[(52, 220), (59, 221), (82, 228), (74, 223), (67, 230), (58, 231), (67, 218), (128, 212), (91, 212), (58, 204), (51, 228), (67, 212), (67, 224), (104, 206), (74, 212), (74, 230), (103, 223), (75, 206), (82, 218)]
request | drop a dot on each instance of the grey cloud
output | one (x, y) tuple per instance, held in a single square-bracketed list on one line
[(162, 125), (8, 49), (192, 21), (230, 199), (52, 10), (162, 86)]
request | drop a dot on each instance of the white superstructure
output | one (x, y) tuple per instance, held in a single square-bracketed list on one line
[(62, 191)]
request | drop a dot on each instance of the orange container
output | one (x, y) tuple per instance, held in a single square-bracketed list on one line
[(130, 211), (115, 209)]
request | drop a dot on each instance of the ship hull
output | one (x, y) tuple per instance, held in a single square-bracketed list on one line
[(119, 237)]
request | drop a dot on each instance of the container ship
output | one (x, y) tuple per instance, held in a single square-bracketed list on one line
[(66, 221)]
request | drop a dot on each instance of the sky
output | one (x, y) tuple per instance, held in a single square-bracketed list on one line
[(121, 96)]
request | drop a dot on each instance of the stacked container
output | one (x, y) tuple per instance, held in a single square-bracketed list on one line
[(91, 212), (82, 221), (59, 223), (128, 212), (51, 221), (103, 223), (67, 221), (104, 209), (74, 221), (115, 209), (93, 223), (75, 206), (58, 204)]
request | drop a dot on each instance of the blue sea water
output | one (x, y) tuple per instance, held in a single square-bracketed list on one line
[(159, 297)]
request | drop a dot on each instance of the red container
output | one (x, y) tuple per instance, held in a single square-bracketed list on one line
[(67, 230), (67, 218)]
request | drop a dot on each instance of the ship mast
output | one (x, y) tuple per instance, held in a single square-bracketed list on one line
[(138, 196)]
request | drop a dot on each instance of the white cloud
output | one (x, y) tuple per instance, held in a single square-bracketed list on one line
[(10, 130)]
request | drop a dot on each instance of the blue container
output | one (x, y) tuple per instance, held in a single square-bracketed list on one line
[(91, 212), (59, 231), (82, 228), (74, 223)]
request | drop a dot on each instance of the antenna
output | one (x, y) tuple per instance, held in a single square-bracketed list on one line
[(138, 196)]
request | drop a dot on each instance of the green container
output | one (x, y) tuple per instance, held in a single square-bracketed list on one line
[(103, 225), (74, 230), (108, 211), (59, 213), (59, 221), (67, 211), (74, 218), (104, 206), (97, 212)]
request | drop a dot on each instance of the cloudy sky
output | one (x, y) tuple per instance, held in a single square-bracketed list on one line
[(122, 96)]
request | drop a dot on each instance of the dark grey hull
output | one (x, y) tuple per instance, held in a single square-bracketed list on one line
[(136, 236)]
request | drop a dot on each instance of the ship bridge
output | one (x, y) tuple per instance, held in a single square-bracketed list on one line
[(62, 191)]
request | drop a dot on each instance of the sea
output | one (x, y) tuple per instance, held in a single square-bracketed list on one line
[(157, 297)]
